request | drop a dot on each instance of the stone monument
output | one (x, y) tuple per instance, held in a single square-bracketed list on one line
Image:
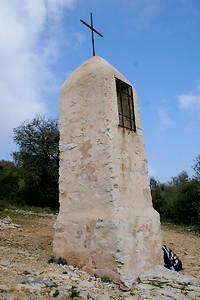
[(106, 223)]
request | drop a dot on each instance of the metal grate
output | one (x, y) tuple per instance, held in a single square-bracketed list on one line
[(125, 105)]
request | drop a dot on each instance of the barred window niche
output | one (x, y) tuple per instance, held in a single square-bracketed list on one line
[(125, 105)]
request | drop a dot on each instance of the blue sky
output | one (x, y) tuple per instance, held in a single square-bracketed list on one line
[(154, 43)]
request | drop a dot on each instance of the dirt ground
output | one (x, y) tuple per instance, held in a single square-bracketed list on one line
[(29, 246), (186, 245)]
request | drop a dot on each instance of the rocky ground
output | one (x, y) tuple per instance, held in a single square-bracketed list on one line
[(25, 274)]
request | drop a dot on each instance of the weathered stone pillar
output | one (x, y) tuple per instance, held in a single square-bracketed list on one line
[(106, 223)]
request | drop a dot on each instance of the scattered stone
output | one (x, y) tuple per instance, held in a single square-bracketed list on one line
[(103, 297), (5, 296), (157, 283), (131, 298), (4, 263), (86, 284), (7, 223), (7, 220), (37, 281), (4, 288)]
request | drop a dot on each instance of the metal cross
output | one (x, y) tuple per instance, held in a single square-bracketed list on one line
[(92, 31)]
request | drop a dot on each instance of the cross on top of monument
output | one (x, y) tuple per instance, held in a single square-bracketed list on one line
[(92, 31)]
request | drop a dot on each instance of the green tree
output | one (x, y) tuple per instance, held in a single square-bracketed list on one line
[(9, 182), (157, 196), (179, 180), (188, 203), (196, 168), (38, 159), (163, 197), (187, 197)]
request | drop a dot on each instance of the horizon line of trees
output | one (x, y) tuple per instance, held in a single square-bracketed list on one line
[(32, 177)]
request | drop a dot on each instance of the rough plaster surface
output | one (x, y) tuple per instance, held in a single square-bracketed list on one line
[(106, 223)]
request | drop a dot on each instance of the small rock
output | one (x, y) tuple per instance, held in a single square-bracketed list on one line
[(71, 146), (86, 284), (4, 262), (37, 281), (4, 288), (131, 298), (7, 220), (124, 288), (103, 297), (48, 283)]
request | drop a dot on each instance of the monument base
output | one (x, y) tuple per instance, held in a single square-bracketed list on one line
[(114, 248)]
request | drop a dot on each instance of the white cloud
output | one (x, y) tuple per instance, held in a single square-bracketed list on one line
[(190, 104), (189, 101), (165, 121), (29, 46), (80, 39), (56, 8)]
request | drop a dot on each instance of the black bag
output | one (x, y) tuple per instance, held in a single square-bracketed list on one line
[(171, 260)]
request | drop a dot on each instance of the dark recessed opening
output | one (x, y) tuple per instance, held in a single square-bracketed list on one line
[(125, 105)]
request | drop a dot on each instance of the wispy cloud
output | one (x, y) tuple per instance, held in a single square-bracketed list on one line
[(164, 119), (80, 39), (30, 39), (190, 101)]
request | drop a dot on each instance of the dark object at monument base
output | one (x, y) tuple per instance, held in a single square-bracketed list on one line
[(171, 260)]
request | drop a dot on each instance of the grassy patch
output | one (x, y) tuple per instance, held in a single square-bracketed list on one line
[(180, 228), (38, 210), (73, 292), (26, 273), (51, 260), (105, 279), (20, 214), (61, 261)]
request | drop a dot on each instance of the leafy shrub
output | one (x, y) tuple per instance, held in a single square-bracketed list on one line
[(105, 279), (56, 293), (60, 260), (73, 292)]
